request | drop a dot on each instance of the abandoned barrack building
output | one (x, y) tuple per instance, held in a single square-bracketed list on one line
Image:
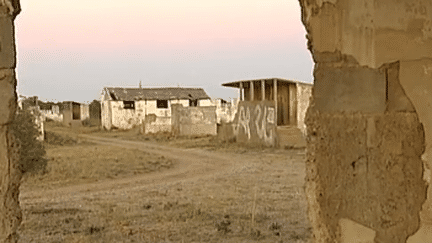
[(74, 113), (150, 108), (288, 102)]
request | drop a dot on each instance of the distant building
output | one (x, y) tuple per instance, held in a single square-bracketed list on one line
[(74, 113), (271, 111), (52, 114), (149, 108), (225, 110)]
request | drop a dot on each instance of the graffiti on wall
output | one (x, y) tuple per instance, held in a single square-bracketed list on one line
[(255, 122), (243, 122)]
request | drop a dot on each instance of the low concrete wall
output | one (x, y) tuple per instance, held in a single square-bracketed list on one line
[(194, 120), (49, 114), (304, 92), (253, 123), (155, 124), (39, 120), (225, 112), (67, 117), (85, 111)]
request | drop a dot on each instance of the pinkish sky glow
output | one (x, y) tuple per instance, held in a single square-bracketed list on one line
[(69, 50)]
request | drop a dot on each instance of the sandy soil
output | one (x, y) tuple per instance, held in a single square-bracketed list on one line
[(206, 196)]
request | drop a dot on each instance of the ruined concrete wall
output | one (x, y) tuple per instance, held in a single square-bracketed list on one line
[(369, 134), (187, 121), (10, 172), (225, 112), (67, 113), (205, 102), (184, 103), (106, 114), (39, 121), (156, 124), (85, 111), (361, 167), (114, 115), (126, 118), (304, 92), (255, 122), (53, 114)]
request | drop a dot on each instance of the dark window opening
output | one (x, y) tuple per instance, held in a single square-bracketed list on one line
[(76, 111), (129, 104), (162, 104), (193, 103)]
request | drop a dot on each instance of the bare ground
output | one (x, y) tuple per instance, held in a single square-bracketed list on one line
[(203, 196)]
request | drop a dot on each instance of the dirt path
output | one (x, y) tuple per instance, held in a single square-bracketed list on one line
[(189, 165), (207, 196)]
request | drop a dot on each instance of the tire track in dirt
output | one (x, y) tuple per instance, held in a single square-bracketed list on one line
[(189, 164)]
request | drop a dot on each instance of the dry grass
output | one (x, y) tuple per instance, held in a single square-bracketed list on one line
[(203, 142), (259, 203), (260, 200), (85, 162)]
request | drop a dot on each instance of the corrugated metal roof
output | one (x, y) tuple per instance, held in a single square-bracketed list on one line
[(156, 93)]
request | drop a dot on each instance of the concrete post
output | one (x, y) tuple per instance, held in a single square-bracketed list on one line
[(292, 89), (262, 90), (251, 89), (369, 124), (241, 91), (275, 100), (10, 171)]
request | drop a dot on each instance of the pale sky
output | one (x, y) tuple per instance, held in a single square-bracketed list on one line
[(70, 50)]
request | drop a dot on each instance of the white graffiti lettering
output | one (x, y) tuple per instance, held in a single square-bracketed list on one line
[(243, 121), (271, 115), (263, 124), (262, 128)]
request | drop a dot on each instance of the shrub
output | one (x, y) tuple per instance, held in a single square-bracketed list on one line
[(86, 122), (56, 139), (32, 151)]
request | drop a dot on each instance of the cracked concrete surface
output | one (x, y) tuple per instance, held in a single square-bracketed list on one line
[(10, 173), (369, 125)]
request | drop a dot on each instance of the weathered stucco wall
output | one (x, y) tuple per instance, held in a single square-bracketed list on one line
[(106, 114), (187, 121), (126, 118), (53, 114), (85, 111), (205, 102), (115, 116), (156, 124), (184, 103), (10, 171), (39, 121), (369, 125), (304, 92), (255, 123), (67, 114), (225, 112)]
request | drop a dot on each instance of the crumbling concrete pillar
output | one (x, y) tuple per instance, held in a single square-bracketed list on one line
[(10, 172), (369, 125)]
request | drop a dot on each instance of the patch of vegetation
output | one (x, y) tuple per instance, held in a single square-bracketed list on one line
[(91, 122), (32, 151), (86, 122), (53, 138), (83, 163)]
